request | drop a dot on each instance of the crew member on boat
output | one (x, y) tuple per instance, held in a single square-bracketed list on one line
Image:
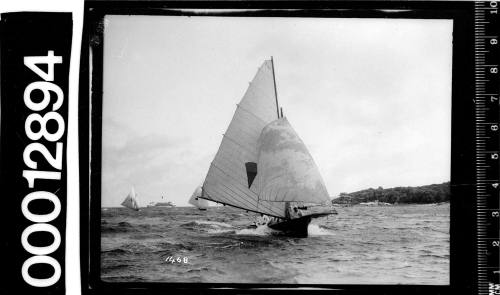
[(292, 211)]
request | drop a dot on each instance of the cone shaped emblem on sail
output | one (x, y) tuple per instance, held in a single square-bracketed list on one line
[(227, 179), (131, 200), (196, 201), (286, 170)]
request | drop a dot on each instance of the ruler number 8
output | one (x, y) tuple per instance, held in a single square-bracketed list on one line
[(493, 4), (495, 214)]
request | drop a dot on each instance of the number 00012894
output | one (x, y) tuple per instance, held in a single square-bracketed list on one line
[(45, 141)]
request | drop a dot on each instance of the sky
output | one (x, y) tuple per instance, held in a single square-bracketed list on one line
[(370, 98)]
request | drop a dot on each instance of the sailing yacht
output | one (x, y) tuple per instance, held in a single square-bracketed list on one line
[(263, 166), (198, 202), (131, 200)]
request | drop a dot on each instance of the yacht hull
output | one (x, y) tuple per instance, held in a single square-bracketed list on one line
[(296, 227), (293, 227)]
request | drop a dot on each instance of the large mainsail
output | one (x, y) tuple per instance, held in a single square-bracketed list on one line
[(228, 177), (131, 200), (196, 201), (286, 170)]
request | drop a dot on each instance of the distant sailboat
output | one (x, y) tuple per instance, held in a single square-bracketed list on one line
[(131, 200), (263, 166), (198, 202)]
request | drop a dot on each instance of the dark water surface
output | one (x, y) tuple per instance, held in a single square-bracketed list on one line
[(405, 244)]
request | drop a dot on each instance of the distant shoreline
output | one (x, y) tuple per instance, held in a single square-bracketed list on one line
[(427, 194)]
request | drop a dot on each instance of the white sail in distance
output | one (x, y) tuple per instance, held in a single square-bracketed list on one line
[(131, 200), (286, 170), (196, 201), (227, 179)]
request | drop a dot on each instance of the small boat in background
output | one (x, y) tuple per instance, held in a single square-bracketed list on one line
[(161, 204), (131, 200), (198, 202)]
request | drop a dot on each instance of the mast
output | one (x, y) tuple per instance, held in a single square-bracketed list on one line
[(275, 91)]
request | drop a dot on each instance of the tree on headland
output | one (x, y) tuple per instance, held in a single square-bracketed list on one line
[(434, 193)]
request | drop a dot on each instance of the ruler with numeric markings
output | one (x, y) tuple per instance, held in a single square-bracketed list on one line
[(487, 90)]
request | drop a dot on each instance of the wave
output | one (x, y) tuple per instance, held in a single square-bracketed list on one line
[(219, 231), (261, 230), (116, 251), (317, 230), (213, 223), (264, 230), (124, 226), (446, 256), (211, 227), (116, 228), (165, 247)]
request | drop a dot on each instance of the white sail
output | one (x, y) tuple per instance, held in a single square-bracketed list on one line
[(227, 180), (196, 201), (286, 170), (131, 200)]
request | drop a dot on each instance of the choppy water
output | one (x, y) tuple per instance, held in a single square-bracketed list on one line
[(407, 244)]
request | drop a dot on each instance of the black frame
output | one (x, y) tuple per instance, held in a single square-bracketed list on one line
[(462, 205)]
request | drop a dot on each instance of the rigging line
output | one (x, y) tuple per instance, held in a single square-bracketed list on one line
[(224, 199), (229, 165), (221, 193), (257, 117), (260, 71), (229, 176), (240, 204), (243, 121), (244, 196), (269, 206), (277, 216), (255, 89), (246, 134), (255, 196), (238, 144), (241, 199), (234, 141), (214, 200), (270, 185)]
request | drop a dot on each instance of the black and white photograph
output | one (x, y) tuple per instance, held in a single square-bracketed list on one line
[(275, 150)]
